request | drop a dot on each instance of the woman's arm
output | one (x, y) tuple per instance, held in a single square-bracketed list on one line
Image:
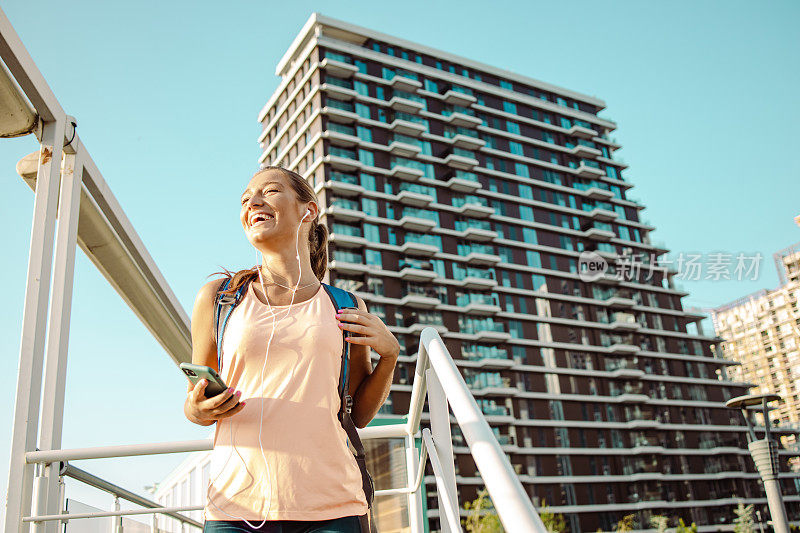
[(197, 408), (369, 387)]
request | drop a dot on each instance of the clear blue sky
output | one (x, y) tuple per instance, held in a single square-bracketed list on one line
[(166, 96)]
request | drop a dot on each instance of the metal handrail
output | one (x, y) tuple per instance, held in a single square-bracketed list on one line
[(434, 368)]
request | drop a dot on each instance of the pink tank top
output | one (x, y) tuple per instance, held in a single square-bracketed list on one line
[(311, 472)]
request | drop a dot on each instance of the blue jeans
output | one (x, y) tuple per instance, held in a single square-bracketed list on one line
[(345, 524)]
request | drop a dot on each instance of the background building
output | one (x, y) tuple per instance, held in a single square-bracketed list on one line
[(460, 196), (762, 332)]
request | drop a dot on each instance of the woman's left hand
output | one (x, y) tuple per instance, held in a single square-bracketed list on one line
[(373, 332)]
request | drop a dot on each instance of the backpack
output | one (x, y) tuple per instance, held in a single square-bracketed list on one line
[(223, 307)]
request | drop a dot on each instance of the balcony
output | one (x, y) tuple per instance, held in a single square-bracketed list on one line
[(608, 278), (475, 282), (490, 362), (406, 127), (460, 183), (460, 162), (619, 302), (603, 215), (398, 103), (402, 83), (342, 163), (624, 349), (422, 301), (342, 239), (406, 173), (596, 193), (494, 388), (597, 234), (465, 141), (417, 224), (343, 214), (582, 132), (419, 248), (480, 258), (346, 267), (625, 323), (343, 188), (475, 210), (338, 68), (340, 115), (627, 373), (479, 234), (416, 199), (481, 308), (452, 97), (417, 274), (462, 119), (402, 149), (339, 138), (338, 92), (580, 150), (586, 171)]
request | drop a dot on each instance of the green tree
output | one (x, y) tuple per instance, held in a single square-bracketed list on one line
[(683, 528), (482, 517), (554, 523), (660, 522), (744, 523), (626, 524)]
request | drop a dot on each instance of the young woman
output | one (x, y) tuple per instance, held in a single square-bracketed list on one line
[(280, 462)]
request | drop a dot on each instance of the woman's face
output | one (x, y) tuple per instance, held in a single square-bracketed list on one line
[(270, 211)]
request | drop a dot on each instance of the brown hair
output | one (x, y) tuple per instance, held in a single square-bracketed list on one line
[(317, 236)]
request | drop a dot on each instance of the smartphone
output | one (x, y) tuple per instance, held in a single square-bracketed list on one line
[(349, 333), (197, 372)]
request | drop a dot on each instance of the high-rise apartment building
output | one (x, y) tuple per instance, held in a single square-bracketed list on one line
[(762, 333), (461, 196)]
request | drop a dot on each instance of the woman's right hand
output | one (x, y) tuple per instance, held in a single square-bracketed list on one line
[(208, 410)]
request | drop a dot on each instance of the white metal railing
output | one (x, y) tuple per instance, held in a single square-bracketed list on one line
[(435, 373), (69, 186)]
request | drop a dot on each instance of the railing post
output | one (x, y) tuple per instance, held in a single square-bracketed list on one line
[(116, 521), (415, 507), (55, 373), (34, 322), (440, 431)]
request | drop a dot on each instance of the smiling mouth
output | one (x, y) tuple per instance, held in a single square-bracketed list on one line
[(260, 219)]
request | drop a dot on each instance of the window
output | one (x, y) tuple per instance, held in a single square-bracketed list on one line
[(366, 157), (515, 148), (529, 235), (512, 127), (361, 88), (534, 260), (506, 85), (525, 191), (371, 233), (365, 134), (374, 258), (510, 107), (362, 110), (431, 86), (526, 213)]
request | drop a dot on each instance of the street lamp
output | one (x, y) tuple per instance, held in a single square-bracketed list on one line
[(765, 455)]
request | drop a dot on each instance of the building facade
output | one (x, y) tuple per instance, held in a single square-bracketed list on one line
[(467, 198), (762, 333)]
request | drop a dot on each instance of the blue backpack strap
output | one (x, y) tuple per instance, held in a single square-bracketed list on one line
[(223, 307), (342, 298)]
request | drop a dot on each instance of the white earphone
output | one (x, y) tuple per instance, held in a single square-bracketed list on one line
[(261, 418)]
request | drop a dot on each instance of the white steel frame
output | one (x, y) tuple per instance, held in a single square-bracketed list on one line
[(69, 188)]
